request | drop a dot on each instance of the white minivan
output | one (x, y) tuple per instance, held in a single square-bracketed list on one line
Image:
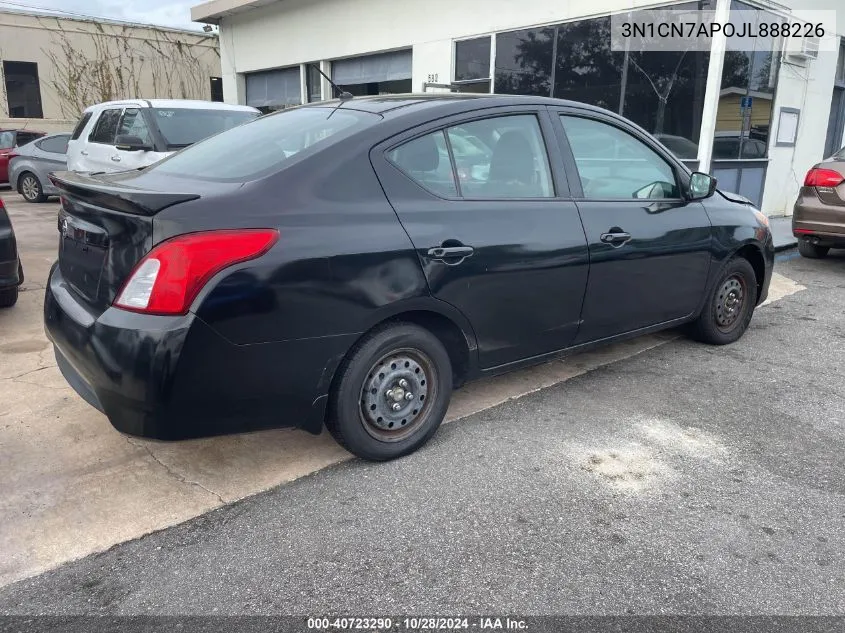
[(123, 135)]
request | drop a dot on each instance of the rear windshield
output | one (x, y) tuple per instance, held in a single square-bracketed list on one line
[(262, 146), (7, 140), (181, 127)]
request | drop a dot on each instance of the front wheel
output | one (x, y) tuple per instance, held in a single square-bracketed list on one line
[(729, 308), (391, 393)]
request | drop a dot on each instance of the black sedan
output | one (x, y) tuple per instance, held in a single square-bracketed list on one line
[(11, 271), (352, 262)]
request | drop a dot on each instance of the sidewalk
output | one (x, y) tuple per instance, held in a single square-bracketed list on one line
[(782, 233)]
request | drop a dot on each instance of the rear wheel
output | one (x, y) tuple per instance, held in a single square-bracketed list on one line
[(812, 251), (730, 306), (30, 188), (391, 393)]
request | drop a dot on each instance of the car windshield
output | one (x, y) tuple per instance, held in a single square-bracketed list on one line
[(7, 140), (185, 126), (261, 146)]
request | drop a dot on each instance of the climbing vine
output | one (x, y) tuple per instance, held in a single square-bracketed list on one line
[(112, 61)]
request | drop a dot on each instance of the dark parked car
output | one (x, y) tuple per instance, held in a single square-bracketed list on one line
[(11, 271), (818, 218), (327, 272), (9, 140), (31, 165)]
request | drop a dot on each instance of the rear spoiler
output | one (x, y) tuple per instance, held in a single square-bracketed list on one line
[(107, 191)]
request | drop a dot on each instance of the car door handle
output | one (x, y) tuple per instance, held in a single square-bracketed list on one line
[(84, 153), (450, 252), (116, 159), (615, 238)]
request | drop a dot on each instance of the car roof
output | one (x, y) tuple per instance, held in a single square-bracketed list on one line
[(196, 104), (401, 103)]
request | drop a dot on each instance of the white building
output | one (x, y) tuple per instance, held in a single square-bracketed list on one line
[(696, 102)]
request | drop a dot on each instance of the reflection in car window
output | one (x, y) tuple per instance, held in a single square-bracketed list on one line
[(501, 157), (262, 146), (614, 164), (426, 160), (106, 127)]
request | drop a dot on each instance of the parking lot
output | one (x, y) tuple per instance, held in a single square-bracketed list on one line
[(692, 471)]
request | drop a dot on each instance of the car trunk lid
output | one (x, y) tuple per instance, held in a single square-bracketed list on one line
[(105, 227)]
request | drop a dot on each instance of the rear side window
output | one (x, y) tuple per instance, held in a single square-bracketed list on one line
[(426, 161), (263, 146), (26, 137), (77, 131), (106, 127), (54, 144)]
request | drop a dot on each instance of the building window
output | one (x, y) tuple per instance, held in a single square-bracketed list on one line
[(313, 81), (23, 91), (379, 74), (273, 89), (749, 78), (216, 89), (661, 91), (472, 65)]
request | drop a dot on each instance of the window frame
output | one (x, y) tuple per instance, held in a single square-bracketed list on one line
[(89, 138), (548, 135), (573, 175)]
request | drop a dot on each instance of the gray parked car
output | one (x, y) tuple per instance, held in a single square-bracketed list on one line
[(30, 168)]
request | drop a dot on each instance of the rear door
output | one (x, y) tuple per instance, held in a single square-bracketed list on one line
[(484, 201), (649, 247), (99, 153)]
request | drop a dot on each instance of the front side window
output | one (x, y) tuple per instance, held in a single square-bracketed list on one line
[(134, 124), (262, 146), (501, 157), (613, 164), (106, 128), (426, 161)]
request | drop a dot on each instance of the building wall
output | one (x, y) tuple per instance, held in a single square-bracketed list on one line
[(287, 33), (83, 62)]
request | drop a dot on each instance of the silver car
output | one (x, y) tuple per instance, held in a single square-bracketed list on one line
[(32, 163)]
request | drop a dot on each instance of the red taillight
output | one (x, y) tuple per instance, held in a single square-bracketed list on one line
[(817, 177), (169, 277)]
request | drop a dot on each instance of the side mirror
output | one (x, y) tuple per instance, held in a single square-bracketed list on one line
[(701, 186), (129, 143)]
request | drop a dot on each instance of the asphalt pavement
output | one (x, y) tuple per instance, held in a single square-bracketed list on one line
[(687, 479)]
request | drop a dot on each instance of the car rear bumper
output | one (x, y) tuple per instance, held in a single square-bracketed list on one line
[(175, 377), (818, 221)]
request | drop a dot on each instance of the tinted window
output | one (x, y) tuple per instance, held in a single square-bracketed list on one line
[(501, 157), (472, 59), (614, 164), (26, 137), (133, 123), (262, 146), (426, 160), (80, 126), (181, 127), (23, 90), (54, 144), (106, 127)]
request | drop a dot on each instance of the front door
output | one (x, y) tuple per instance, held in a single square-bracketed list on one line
[(96, 154), (486, 207), (649, 247)]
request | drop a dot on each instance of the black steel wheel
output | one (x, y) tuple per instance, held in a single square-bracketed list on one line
[(730, 306), (30, 188), (391, 393)]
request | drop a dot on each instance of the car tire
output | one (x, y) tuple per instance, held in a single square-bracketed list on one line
[(8, 297), (730, 305), (812, 251), (391, 392), (30, 188)]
